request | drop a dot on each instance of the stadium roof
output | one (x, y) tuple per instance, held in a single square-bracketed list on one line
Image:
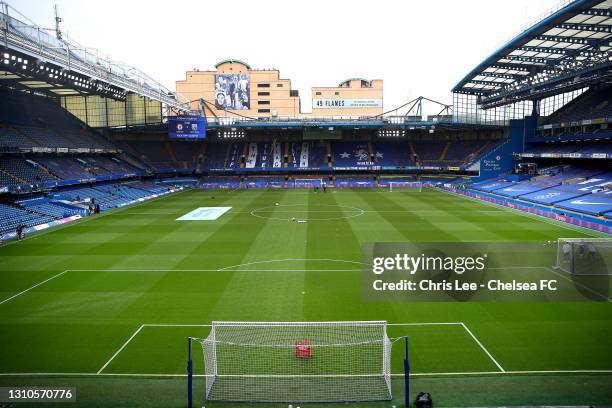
[(33, 58), (232, 60), (353, 79), (575, 39)]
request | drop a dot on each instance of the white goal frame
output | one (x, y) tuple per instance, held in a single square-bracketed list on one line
[(410, 186), (297, 361), (584, 256), (320, 180)]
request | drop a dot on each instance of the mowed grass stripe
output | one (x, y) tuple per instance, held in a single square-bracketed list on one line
[(178, 240), (266, 295), (89, 243), (373, 226), (107, 302), (465, 219), (544, 336), (225, 239), (78, 327), (215, 243), (514, 226), (410, 224), (332, 295), (570, 230)]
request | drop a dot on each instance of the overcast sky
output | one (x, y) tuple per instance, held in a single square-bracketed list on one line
[(418, 47)]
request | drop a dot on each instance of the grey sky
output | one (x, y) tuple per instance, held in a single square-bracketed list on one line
[(417, 47)]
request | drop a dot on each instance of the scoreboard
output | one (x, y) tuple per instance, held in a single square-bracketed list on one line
[(186, 127)]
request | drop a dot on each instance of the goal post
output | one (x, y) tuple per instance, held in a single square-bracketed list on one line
[(584, 256), (406, 374), (409, 186), (308, 183), (296, 362)]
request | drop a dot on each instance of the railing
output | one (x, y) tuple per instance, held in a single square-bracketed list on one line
[(37, 42), (392, 120), (533, 21)]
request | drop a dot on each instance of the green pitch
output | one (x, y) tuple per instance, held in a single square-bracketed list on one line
[(106, 304)]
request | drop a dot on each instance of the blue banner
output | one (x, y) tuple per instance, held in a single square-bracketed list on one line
[(186, 127)]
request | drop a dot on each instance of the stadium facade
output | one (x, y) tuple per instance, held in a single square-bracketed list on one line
[(235, 89), (352, 97), (528, 127)]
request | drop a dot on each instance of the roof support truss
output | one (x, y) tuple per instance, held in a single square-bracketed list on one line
[(566, 39), (597, 12), (504, 76), (586, 27)]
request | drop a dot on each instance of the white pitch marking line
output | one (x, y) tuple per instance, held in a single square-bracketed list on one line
[(483, 347), (121, 349), (388, 324), (366, 211), (602, 297), (260, 270), (175, 325), (337, 206), (465, 373), (178, 270), (425, 324), (289, 260), (215, 270), (32, 287)]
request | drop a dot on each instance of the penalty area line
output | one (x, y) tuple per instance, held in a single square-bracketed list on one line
[(388, 324), (120, 349), (33, 287), (483, 347)]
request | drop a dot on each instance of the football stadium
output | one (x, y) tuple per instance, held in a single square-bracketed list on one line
[(211, 243)]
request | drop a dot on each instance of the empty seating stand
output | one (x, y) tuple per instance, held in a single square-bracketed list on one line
[(11, 217), (17, 170)]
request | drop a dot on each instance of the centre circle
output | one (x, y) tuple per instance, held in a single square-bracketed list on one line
[(303, 212)]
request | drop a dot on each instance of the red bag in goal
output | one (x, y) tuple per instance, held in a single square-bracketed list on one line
[(303, 349)]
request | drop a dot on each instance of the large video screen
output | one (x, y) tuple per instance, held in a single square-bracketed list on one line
[(232, 91), (186, 127)]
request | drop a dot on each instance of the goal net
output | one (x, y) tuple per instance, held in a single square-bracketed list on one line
[(308, 183), (413, 186), (297, 362), (585, 256)]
